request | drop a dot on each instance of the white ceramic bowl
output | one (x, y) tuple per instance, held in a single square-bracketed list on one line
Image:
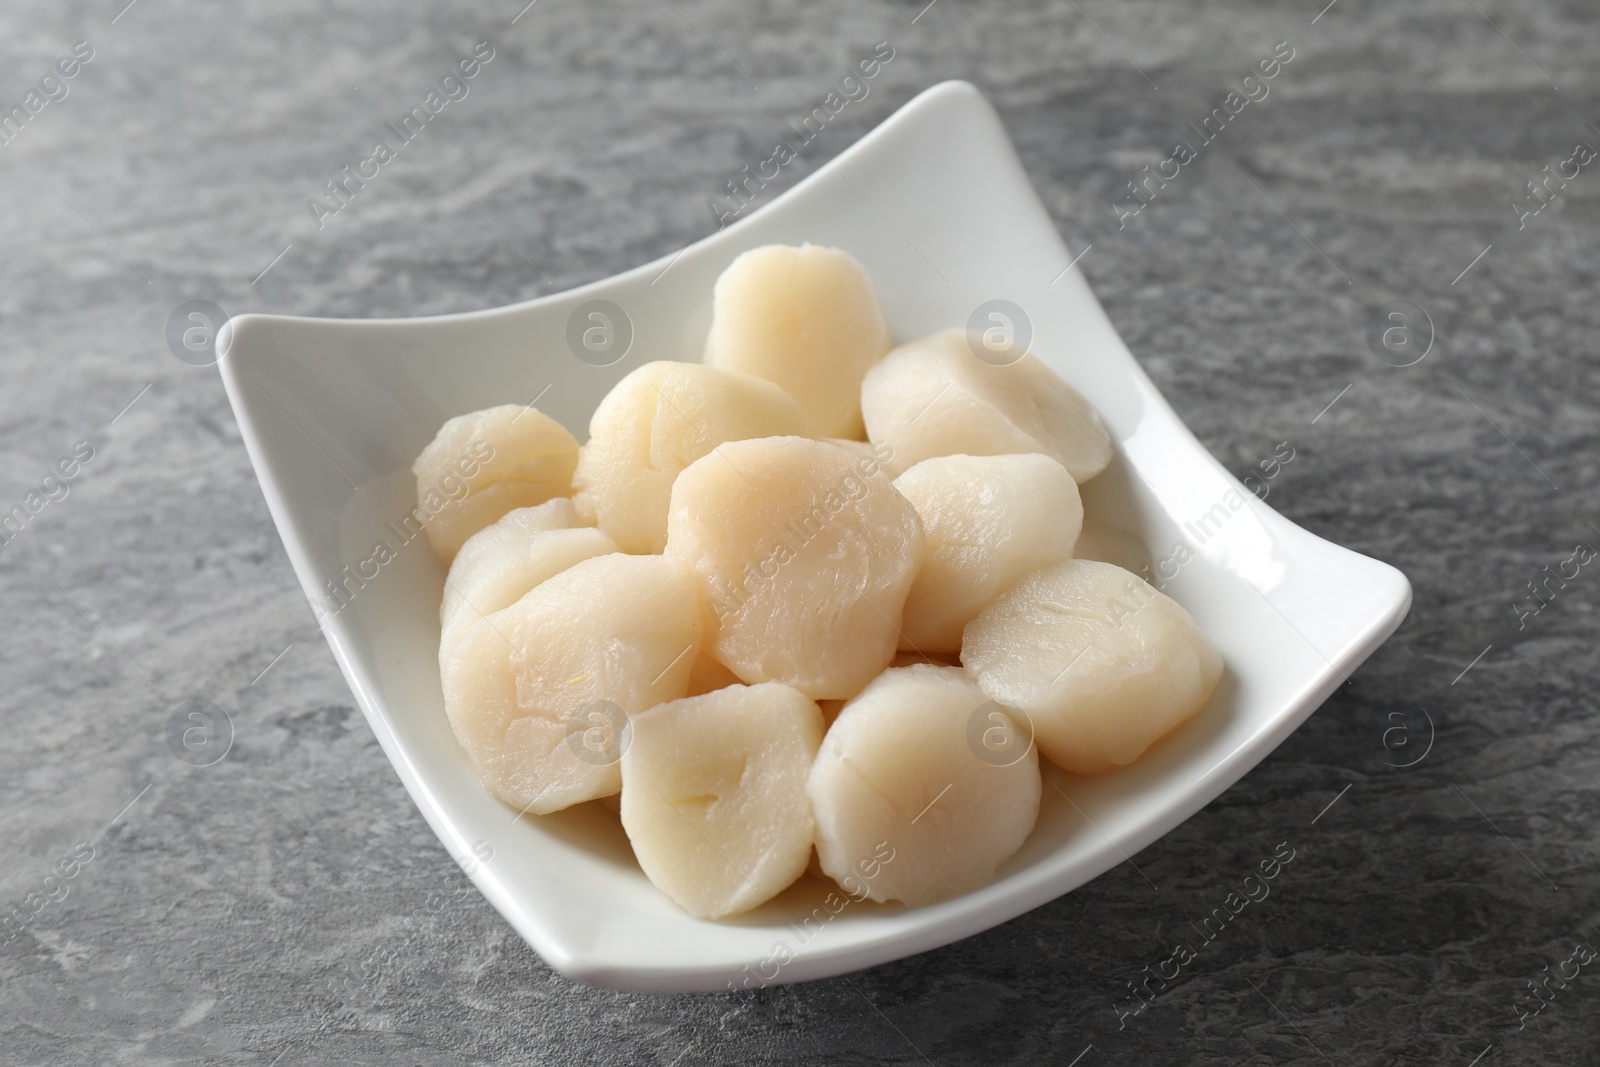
[(936, 205)]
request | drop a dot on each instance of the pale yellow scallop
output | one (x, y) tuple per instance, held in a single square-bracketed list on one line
[(485, 463), (935, 397), (1102, 663), (654, 423), (803, 561), (806, 318), (989, 520), (714, 795), (505, 559), (539, 693), (916, 794)]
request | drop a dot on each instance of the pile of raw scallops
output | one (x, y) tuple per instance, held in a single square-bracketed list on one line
[(818, 591)]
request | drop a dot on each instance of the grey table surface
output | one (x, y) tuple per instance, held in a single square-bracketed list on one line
[(284, 906)]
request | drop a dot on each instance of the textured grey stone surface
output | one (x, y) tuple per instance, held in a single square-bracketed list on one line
[(288, 905)]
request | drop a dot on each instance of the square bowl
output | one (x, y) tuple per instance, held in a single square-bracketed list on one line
[(936, 205)]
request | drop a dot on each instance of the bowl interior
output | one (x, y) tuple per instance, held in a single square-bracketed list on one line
[(936, 205)]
